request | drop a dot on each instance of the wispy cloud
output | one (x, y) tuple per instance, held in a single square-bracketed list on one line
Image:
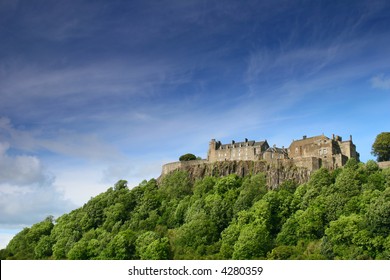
[(70, 143), (380, 81)]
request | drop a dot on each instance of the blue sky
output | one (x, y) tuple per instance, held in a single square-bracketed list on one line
[(96, 91)]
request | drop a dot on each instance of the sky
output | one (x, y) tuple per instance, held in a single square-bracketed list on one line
[(96, 91)]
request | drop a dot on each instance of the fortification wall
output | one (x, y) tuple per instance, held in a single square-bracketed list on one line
[(384, 164), (169, 167), (311, 163)]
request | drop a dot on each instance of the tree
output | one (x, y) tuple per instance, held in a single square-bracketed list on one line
[(381, 146), (187, 157), (253, 242)]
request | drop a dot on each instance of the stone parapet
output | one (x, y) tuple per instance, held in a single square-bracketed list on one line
[(169, 167)]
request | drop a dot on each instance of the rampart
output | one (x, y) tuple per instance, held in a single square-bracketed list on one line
[(169, 167)]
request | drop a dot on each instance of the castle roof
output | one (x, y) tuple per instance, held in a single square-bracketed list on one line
[(276, 150), (305, 138), (246, 143)]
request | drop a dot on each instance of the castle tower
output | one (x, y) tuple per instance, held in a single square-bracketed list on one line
[(211, 152)]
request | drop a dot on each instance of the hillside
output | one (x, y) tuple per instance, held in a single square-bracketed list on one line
[(341, 214)]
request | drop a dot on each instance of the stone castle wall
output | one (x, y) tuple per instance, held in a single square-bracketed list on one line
[(309, 152), (311, 163), (170, 167), (248, 150), (384, 164)]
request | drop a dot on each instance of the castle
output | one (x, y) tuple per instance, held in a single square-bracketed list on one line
[(311, 153)]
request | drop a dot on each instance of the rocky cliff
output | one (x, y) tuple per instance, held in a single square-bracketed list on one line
[(275, 173)]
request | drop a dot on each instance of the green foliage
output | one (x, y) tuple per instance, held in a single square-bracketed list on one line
[(381, 146), (194, 236), (23, 245), (253, 242), (252, 189), (204, 186), (378, 214), (121, 246), (344, 234), (43, 249), (187, 157), (176, 185), (150, 246), (340, 214)]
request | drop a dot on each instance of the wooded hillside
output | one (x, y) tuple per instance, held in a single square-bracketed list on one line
[(343, 214)]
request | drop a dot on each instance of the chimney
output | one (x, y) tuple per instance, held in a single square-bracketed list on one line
[(304, 136), (233, 142), (350, 138), (246, 139), (332, 136)]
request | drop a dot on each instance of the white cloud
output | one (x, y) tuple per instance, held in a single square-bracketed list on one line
[(79, 183), (380, 81), (28, 205), (134, 171), (21, 169), (27, 190)]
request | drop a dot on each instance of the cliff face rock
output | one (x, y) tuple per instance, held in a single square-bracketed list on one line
[(275, 173)]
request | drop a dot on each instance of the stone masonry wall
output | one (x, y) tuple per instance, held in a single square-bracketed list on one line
[(170, 167), (384, 164)]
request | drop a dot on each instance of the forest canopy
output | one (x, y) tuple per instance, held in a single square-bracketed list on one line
[(340, 214)]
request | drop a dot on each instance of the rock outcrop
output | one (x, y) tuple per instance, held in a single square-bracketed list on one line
[(275, 173)]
